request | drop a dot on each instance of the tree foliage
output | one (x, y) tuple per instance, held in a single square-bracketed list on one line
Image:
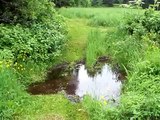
[(25, 10), (81, 3)]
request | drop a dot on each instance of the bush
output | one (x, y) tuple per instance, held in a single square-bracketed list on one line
[(31, 33), (138, 54), (82, 3), (38, 43), (39, 35), (22, 11), (145, 25)]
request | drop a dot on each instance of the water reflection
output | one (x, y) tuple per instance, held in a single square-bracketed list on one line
[(104, 83)]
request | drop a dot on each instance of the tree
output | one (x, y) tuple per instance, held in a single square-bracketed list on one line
[(108, 2), (97, 2), (21, 11)]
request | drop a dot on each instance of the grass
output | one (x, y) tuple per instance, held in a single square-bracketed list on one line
[(17, 104), (139, 58), (92, 33), (95, 47), (53, 107), (107, 17), (75, 49)]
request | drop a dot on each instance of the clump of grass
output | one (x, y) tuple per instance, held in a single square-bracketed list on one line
[(95, 47), (99, 109)]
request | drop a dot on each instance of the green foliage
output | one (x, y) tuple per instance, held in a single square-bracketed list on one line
[(145, 25), (107, 20), (99, 110), (95, 47), (142, 88), (60, 3), (136, 49), (40, 38), (106, 17), (97, 2), (12, 95), (95, 108), (38, 43), (125, 50), (24, 11), (82, 3), (139, 55), (32, 34)]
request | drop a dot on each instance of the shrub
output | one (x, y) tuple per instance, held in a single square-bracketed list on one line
[(82, 3), (145, 25), (22, 11), (31, 33), (39, 43)]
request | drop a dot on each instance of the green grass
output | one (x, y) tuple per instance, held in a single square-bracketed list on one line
[(107, 17), (53, 107), (95, 47), (77, 35)]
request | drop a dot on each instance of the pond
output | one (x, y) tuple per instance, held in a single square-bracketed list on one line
[(104, 82)]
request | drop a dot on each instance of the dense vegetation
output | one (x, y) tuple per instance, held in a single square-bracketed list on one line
[(139, 54), (33, 36), (108, 3), (86, 3), (31, 32), (134, 44)]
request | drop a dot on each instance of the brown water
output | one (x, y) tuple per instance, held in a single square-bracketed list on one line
[(104, 82)]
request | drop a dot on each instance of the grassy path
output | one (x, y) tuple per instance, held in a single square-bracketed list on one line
[(78, 33)]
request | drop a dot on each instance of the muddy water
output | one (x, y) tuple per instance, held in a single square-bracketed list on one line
[(104, 82)]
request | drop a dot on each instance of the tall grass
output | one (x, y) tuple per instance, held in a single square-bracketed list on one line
[(99, 16), (12, 94), (95, 46)]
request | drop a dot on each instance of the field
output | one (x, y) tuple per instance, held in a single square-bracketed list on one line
[(92, 32)]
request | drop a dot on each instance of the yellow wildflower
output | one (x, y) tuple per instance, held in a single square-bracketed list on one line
[(105, 102)]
